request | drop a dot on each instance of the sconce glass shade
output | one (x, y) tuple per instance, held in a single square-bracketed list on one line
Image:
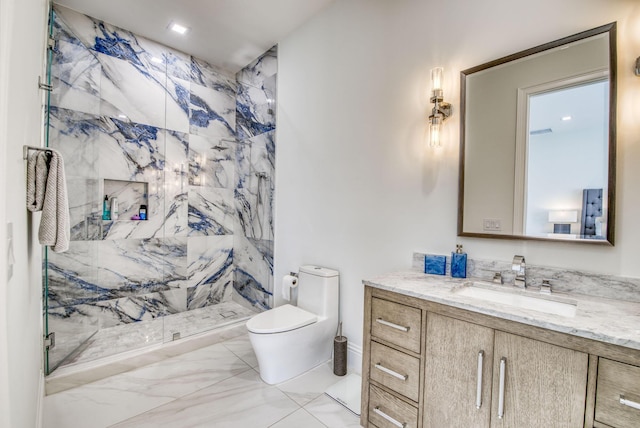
[(436, 78), (563, 216), (435, 124)]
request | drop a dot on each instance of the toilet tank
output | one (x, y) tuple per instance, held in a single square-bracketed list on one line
[(318, 290)]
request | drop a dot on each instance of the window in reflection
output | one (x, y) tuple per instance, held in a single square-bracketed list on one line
[(566, 154)]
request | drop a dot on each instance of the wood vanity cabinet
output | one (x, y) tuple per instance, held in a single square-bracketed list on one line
[(458, 367), (394, 361), (542, 385), (618, 395), (548, 379)]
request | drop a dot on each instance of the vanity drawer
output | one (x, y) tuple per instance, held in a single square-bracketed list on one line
[(387, 411), (396, 323), (618, 394), (395, 370)]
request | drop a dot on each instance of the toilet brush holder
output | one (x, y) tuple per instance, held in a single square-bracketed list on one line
[(340, 353)]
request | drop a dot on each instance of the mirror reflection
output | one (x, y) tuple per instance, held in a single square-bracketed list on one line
[(538, 149)]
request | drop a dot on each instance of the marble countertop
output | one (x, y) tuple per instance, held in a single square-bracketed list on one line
[(606, 320)]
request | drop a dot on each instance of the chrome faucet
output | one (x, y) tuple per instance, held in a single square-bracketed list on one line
[(545, 287), (518, 266)]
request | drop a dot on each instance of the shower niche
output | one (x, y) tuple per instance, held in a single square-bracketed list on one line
[(132, 196)]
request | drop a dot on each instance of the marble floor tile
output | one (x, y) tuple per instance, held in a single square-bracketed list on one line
[(108, 401), (242, 401), (332, 414), (308, 386), (96, 407), (299, 419), (241, 346), (212, 386)]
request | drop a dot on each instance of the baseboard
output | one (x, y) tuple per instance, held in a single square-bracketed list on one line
[(354, 358), (40, 402)]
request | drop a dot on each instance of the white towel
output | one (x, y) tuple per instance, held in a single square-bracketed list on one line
[(55, 229), (36, 180)]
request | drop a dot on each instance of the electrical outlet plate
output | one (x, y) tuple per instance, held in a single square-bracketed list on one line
[(491, 225)]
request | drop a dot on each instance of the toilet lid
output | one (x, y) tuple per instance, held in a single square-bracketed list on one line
[(282, 318)]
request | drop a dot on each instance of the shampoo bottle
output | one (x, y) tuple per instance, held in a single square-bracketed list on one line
[(459, 263), (114, 208), (142, 212), (106, 214)]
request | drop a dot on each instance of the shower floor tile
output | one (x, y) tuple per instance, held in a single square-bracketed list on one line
[(210, 387), (127, 337)]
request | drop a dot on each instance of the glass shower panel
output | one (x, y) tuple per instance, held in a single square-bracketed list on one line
[(45, 281), (174, 191), (155, 129), (70, 277)]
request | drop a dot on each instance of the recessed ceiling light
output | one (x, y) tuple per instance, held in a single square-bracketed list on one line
[(180, 29), (565, 118)]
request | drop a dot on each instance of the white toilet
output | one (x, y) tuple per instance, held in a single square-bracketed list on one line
[(289, 340)]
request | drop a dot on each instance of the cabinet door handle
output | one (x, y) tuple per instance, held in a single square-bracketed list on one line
[(392, 325), (389, 418), (503, 366), (632, 404), (479, 384), (395, 374)]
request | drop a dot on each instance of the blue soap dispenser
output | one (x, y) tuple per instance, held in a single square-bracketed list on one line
[(459, 263)]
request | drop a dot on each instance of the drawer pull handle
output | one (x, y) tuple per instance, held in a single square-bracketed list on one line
[(503, 367), (632, 404), (391, 372), (389, 418), (392, 325), (479, 384)]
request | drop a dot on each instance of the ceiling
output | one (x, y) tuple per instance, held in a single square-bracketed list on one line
[(584, 107), (226, 33)]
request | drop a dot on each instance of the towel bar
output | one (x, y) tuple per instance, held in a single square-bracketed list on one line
[(25, 150)]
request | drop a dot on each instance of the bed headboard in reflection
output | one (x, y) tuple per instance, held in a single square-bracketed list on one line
[(591, 209)]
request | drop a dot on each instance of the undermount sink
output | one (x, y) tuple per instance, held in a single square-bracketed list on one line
[(519, 298)]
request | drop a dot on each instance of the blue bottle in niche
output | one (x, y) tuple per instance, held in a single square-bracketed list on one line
[(459, 263), (106, 214)]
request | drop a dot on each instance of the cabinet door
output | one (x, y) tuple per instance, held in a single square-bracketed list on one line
[(543, 385), (459, 357)]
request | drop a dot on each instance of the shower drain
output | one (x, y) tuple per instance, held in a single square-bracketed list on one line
[(228, 314)]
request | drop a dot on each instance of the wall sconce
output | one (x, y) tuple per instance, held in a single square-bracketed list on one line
[(638, 66), (561, 220), (441, 110)]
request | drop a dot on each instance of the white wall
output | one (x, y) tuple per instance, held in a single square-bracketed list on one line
[(22, 32), (357, 190)]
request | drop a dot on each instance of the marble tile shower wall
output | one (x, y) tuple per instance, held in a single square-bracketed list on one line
[(161, 125), (255, 171)]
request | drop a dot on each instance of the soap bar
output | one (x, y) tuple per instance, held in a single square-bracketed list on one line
[(436, 265)]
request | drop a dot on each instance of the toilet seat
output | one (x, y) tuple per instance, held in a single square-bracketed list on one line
[(280, 319)]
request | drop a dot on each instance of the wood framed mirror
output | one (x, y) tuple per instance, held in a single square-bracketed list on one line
[(538, 142)]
